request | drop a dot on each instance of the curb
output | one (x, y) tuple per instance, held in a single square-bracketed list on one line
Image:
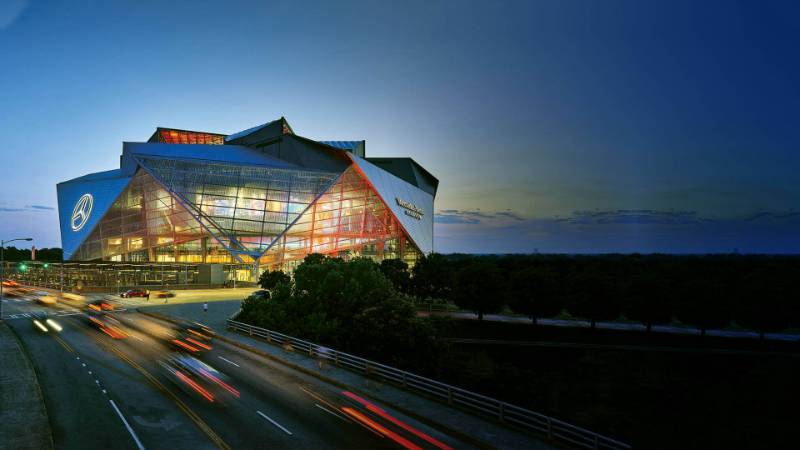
[(27, 358), (433, 424)]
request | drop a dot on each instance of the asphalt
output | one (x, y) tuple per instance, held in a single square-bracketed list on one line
[(471, 428), (103, 393)]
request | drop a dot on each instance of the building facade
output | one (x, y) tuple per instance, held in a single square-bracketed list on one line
[(264, 197)]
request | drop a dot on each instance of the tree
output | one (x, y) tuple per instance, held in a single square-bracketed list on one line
[(762, 303), (647, 298), (593, 296), (701, 303), (269, 279), (478, 288), (396, 271), (534, 292), (432, 277)]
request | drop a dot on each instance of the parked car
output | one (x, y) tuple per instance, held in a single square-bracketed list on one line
[(134, 293), (261, 294)]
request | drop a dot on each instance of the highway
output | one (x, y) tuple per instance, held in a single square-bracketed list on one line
[(111, 387)]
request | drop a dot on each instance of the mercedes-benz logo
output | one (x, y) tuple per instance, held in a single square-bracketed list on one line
[(81, 212)]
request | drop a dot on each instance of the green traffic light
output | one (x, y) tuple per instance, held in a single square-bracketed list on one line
[(46, 265), (23, 267)]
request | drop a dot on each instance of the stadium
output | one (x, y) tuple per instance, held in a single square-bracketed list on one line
[(262, 198)]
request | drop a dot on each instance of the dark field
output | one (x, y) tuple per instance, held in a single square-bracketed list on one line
[(699, 393)]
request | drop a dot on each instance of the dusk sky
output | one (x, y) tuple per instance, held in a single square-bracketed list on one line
[(560, 126)]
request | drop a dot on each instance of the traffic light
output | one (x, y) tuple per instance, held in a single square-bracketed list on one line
[(23, 267), (46, 265)]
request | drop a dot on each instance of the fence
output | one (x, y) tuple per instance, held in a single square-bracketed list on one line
[(505, 412)]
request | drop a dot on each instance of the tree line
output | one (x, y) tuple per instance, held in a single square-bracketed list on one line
[(756, 292), (12, 253), (369, 309)]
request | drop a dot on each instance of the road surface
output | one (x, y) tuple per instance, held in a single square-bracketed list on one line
[(101, 392)]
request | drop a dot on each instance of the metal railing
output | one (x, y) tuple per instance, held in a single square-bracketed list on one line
[(505, 412)]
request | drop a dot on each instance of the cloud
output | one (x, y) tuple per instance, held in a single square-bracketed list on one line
[(634, 216), (10, 10), (509, 214), (40, 207), (772, 215), (26, 208), (472, 216)]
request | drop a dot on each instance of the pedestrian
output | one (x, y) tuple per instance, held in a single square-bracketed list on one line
[(166, 296), (147, 296), (205, 307)]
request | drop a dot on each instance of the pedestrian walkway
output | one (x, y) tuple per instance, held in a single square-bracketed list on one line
[(481, 430), (23, 417)]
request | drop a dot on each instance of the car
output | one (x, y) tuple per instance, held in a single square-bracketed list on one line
[(198, 330), (162, 293), (73, 297), (198, 378), (44, 324), (46, 299), (191, 337), (261, 294), (10, 283), (107, 324), (134, 293), (101, 305)]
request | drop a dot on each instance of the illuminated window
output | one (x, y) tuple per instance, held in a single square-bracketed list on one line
[(189, 137)]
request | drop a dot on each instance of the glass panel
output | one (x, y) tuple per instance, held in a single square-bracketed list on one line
[(239, 203), (349, 220), (228, 224)]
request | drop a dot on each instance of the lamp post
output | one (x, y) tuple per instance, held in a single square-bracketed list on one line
[(3, 267)]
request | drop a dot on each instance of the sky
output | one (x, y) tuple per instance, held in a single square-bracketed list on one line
[(553, 126)]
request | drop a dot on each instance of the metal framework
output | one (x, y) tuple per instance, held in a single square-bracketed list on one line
[(268, 203)]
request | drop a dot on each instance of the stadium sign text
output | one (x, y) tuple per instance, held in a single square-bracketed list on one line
[(410, 209)]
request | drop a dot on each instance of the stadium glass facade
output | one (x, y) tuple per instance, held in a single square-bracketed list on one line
[(264, 198)]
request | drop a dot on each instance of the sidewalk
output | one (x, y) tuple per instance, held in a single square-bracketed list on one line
[(23, 418), (474, 428)]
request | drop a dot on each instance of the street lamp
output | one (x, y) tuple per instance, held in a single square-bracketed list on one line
[(3, 267)]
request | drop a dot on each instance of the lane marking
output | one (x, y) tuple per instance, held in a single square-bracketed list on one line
[(127, 425), (191, 414), (228, 361), (330, 412), (274, 423), (64, 344)]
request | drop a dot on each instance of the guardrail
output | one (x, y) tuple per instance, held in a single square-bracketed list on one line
[(505, 412)]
